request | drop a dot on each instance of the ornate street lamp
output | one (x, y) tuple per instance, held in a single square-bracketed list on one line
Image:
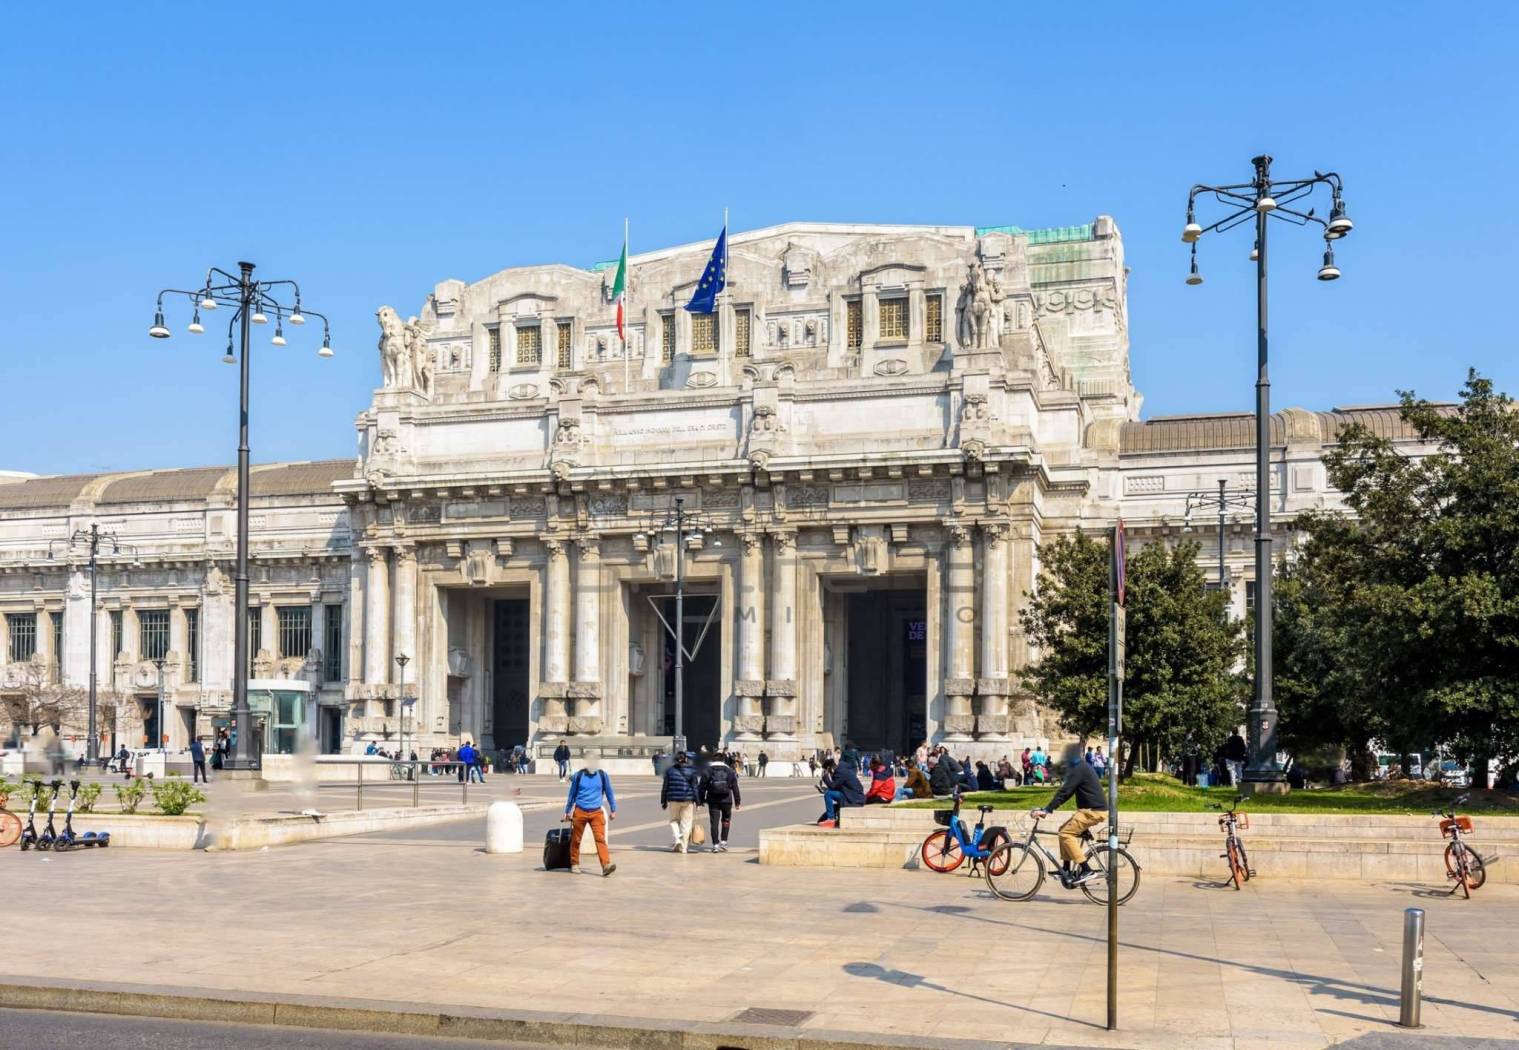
[(1222, 500), (250, 300), (1258, 200), (89, 540), (401, 661)]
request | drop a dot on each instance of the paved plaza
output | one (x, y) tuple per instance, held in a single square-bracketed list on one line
[(426, 918)]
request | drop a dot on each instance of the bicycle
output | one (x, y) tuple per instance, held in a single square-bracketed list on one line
[(1231, 824), (1463, 864), (944, 851), (10, 824), (1017, 869)]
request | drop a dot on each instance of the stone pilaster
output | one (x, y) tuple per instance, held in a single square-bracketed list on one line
[(992, 685), (780, 687), (404, 622), (377, 616), (749, 686), (554, 688), (959, 634), (586, 685)]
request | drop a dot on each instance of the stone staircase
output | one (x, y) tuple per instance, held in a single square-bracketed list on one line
[(1368, 847)]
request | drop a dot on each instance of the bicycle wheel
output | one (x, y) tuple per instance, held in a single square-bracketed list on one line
[(1458, 862), (1244, 860), (10, 828), (991, 845), (1237, 873), (941, 852), (1127, 871), (1014, 872), (1476, 869)]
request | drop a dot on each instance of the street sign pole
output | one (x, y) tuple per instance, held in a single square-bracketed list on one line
[(1117, 636)]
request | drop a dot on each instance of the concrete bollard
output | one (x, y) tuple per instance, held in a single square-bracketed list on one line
[(503, 828), (1413, 968)]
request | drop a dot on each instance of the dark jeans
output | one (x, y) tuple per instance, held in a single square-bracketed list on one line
[(564, 769), (199, 773), (722, 818)]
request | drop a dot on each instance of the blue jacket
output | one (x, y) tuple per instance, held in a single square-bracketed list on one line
[(197, 751), (588, 789), (847, 783), (467, 755), (681, 783)]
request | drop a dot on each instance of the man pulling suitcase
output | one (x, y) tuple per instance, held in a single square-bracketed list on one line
[(590, 802)]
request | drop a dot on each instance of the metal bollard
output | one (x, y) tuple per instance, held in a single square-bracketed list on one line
[(465, 771), (1413, 967), (416, 785), (361, 786)]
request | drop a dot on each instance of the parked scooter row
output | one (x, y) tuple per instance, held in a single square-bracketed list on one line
[(50, 838)]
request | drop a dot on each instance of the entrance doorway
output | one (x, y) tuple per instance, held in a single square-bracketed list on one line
[(888, 669), (151, 731), (332, 730), (510, 704), (702, 710)]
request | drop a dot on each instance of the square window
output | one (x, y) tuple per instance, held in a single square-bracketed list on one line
[(854, 325), (153, 634), (294, 629), (933, 318), (667, 338), (564, 328), (703, 334), (894, 319), (530, 345), (23, 631), (741, 332)]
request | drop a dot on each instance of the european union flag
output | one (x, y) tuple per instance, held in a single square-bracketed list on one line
[(713, 279)]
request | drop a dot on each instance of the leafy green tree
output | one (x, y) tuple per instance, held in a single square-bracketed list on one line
[(1407, 608), (1180, 691)]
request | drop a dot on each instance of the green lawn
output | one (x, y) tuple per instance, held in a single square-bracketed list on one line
[(1152, 792)]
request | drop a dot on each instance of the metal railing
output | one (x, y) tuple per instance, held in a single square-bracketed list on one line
[(418, 772)]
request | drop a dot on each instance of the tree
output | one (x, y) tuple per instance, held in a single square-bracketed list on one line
[(40, 702), (1180, 691), (1407, 607)]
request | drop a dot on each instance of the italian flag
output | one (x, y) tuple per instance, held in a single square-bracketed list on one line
[(620, 287)]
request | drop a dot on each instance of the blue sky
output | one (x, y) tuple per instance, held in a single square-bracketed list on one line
[(370, 150)]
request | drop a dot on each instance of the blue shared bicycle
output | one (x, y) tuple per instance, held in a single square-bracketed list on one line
[(946, 850)]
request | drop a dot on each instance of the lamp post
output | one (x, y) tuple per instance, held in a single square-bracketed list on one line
[(401, 661), (158, 744), (1261, 199), (680, 523), (250, 300), (90, 540), (1222, 500)]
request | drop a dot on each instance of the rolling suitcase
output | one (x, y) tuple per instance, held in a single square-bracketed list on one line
[(556, 850)]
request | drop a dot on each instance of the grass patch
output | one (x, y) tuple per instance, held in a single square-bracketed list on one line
[(1157, 793)]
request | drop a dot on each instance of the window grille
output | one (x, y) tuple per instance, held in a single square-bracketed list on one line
[(933, 318), (564, 344), (57, 616), (703, 335), (854, 325), (495, 348), (332, 652), (741, 333), (667, 338), (530, 345), (295, 630), (192, 645), (117, 635), (153, 634), (255, 637), (23, 629), (893, 319)]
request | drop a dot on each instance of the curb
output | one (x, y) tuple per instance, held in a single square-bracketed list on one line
[(459, 1022)]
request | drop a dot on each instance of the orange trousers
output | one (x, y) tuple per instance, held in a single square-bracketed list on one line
[(597, 819)]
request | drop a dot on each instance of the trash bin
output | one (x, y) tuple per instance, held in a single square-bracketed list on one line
[(662, 763)]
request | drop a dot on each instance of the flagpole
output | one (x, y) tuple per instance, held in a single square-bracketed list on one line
[(625, 318)]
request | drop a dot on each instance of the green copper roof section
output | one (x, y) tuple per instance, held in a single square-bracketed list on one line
[(605, 264), (1048, 235)]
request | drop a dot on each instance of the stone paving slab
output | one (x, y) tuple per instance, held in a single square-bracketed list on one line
[(681, 942)]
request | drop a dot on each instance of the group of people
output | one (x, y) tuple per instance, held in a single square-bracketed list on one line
[(689, 785)]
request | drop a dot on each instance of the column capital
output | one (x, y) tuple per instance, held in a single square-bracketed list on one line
[(589, 547), (375, 552), (783, 540), (751, 541), (554, 546), (405, 552), (995, 532), (958, 533)]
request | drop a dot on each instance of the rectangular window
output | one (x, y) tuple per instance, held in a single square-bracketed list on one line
[(152, 634), (57, 616), (295, 630), (530, 345), (667, 338), (741, 333), (117, 635), (854, 325), (893, 320), (192, 645), (332, 652), (23, 628), (933, 318), (565, 331), (1249, 596), (494, 335), (255, 637), (703, 335)]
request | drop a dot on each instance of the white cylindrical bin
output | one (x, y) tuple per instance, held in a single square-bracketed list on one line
[(503, 828)]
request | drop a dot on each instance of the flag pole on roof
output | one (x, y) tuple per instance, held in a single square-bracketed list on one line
[(620, 293), (714, 278)]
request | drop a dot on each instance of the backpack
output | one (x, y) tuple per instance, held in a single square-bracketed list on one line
[(719, 781)]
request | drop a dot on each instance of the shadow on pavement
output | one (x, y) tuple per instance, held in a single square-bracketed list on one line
[(903, 979)]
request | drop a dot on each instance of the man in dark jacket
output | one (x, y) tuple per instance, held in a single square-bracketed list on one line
[(680, 790), (944, 776), (562, 757), (1236, 753), (719, 791), (1080, 781), (841, 787)]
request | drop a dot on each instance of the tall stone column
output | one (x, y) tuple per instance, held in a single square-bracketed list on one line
[(780, 687), (377, 617), (749, 684), (404, 622), (585, 688), (556, 639), (992, 685), (959, 634)]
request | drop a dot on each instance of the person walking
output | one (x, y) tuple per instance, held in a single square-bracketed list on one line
[(219, 749), (764, 761), (1081, 782), (198, 758), (476, 767), (590, 802), (1236, 751), (719, 791), (681, 790), (562, 757), (466, 759)]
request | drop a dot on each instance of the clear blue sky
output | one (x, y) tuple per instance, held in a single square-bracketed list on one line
[(370, 150)]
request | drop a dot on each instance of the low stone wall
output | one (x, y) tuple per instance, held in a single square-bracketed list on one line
[(1365, 847), (199, 831)]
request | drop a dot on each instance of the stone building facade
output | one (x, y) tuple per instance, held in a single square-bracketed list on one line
[(872, 434)]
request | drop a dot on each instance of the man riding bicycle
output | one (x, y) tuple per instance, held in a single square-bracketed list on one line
[(1091, 810)]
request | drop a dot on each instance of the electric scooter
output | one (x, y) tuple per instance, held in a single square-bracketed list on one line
[(89, 838), (29, 837), (50, 834)]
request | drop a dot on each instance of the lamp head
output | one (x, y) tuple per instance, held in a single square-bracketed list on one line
[(1339, 222), (158, 330), (1265, 204), (228, 358), (258, 316), (195, 326), (1255, 251), (1329, 271), (279, 334), (296, 317), (206, 302), (326, 350), (1191, 232), (1194, 278)]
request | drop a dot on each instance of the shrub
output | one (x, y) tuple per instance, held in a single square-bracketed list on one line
[(175, 795), (130, 794), (89, 794), (7, 789)]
